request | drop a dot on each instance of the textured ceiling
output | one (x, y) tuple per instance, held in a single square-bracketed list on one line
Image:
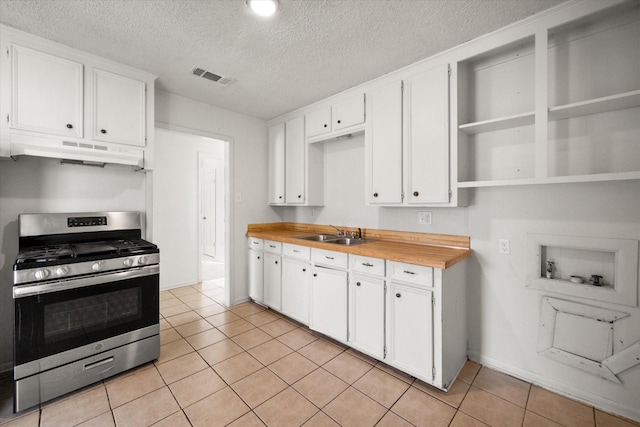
[(311, 49)]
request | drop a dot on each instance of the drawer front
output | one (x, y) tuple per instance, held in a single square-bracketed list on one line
[(330, 258), (273, 247), (411, 273), (256, 244), (368, 265), (296, 251)]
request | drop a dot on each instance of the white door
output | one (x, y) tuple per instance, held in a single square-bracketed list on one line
[(367, 306), (272, 281), (296, 282), (256, 275), (295, 151), (427, 136), (209, 212), (329, 303), (411, 330), (276, 164)]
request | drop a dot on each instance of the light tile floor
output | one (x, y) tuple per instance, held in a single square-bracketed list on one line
[(248, 366)]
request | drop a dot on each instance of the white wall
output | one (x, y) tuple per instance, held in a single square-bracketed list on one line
[(248, 138), (503, 313), (36, 185), (175, 203)]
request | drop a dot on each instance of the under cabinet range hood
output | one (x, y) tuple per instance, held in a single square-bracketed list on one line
[(84, 152)]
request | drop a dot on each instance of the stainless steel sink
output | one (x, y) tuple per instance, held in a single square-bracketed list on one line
[(332, 238), (319, 237), (348, 241)]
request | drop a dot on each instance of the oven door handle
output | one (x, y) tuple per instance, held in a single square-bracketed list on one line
[(63, 285)]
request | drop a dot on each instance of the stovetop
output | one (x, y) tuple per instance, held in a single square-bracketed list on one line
[(59, 254)]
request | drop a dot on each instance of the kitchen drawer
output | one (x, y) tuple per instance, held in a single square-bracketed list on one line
[(273, 247), (330, 258), (256, 244), (296, 251), (411, 273), (368, 265)]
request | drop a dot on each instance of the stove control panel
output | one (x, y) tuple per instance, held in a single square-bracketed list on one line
[(86, 221)]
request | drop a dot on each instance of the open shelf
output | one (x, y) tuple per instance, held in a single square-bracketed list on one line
[(595, 106), (501, 123)]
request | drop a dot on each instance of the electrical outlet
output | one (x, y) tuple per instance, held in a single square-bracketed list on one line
[(238, 197), (424, 218), (312, 213), (504, 247)]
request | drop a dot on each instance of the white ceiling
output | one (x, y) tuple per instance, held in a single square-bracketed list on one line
[(311, 49)]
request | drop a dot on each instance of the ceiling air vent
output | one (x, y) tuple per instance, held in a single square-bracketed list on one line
[(211, 76)]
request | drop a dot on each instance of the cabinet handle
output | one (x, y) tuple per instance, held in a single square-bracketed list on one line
[(279, 197), (329, 257), (366, 264), (276, 262), (375, 194), (296, 251), (304, 269), (357, 283), (315, 275), (339, 121), (299, 196), (258, 257), (325, 125), (408, 272), (398, 295), (69, 126), (103, 131), (416, 194)]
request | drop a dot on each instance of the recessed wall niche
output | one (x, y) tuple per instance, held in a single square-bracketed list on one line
[(615, 261)]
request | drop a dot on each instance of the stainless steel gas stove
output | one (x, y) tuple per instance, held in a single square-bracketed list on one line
[(86, 294)]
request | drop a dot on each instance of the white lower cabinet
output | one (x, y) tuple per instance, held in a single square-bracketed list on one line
[(329, 302), (296, 282), (256, 270), (367, 310), (410, 346), (272, 281)]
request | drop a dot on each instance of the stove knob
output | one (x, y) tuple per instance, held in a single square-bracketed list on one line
[(142, 260), (128, 262), (62, 271), (96, 266), (41, 274)]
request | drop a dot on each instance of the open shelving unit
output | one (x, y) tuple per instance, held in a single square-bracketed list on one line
[(554, 103)]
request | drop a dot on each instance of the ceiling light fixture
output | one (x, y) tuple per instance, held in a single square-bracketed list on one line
[(263, 7)]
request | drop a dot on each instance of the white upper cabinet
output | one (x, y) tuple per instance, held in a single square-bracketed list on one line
[(296, 169), (383, 144), (295, 150), (62, 103), (276, 164), (427, 137), (46, 93), (407, 141), (118, 108), (344, 116)]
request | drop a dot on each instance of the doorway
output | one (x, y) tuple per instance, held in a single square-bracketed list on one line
[(211, 184)]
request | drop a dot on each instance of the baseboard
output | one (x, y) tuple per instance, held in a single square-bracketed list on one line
[(596, 401)]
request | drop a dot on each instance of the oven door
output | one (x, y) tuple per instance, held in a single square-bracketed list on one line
[(56, 323)]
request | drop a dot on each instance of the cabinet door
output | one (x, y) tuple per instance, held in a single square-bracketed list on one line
[(318, 122), (118, 109), (295, 150), (411, 330), (276, 164), (47, 93), (256, 275), (329, 303), (367, 314), (384, 144), (296, 282), (427, 136), (272, 281), (348, 113)]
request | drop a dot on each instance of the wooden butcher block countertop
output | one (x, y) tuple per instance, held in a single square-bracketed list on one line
[(431, 250)]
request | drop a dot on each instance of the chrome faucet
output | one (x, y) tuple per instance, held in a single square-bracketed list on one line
[(339, 232)]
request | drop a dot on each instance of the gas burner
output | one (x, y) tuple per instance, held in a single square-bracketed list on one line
[(39, 254)]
